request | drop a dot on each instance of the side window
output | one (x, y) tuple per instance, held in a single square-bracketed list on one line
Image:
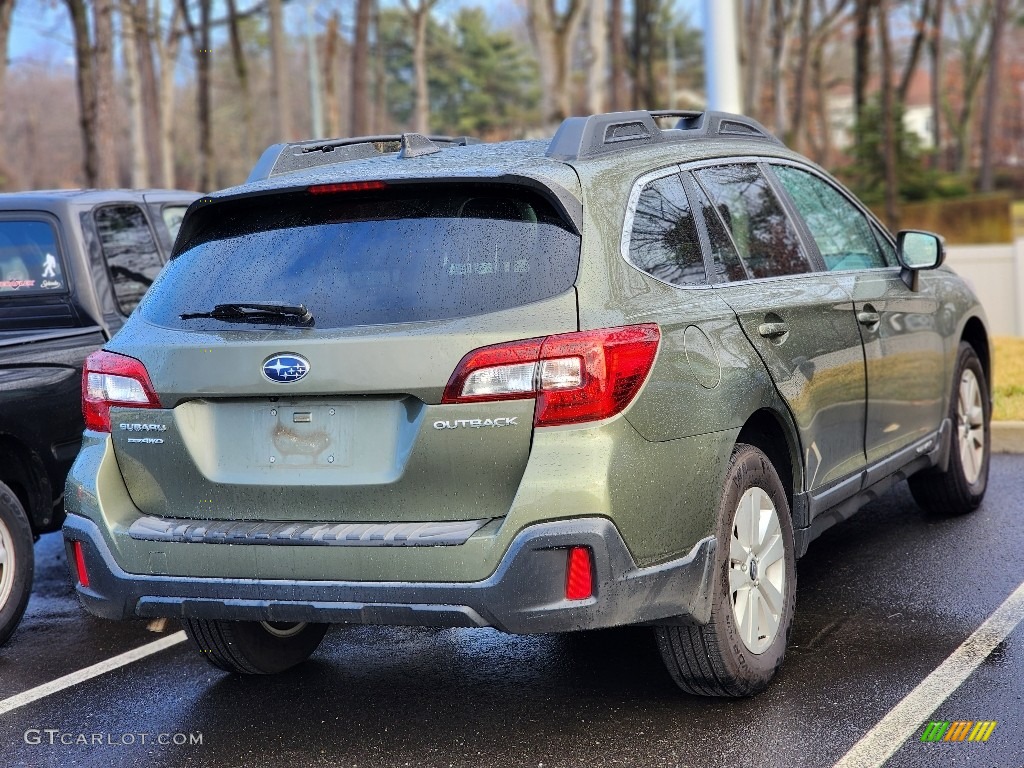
[(764, 236), (723, 253), (130, 251), (841, 232), (664, 241), (29, 259)]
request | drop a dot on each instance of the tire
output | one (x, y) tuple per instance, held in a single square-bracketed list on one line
[(729, 656), (254, 647), (17, 560), (961, 487)]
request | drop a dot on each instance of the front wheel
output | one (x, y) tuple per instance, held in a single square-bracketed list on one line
[(254, 647), (961, 487), (16, 562), (740, 649)]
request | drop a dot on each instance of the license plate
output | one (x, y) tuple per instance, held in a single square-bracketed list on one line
[(303, 436)]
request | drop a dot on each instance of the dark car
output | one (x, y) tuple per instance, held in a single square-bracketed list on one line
[(73, 265)]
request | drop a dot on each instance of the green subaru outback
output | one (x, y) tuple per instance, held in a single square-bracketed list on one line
[(624, 376)]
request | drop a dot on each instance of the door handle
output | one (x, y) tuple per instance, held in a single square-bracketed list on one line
[(868, 318), (773, 330)]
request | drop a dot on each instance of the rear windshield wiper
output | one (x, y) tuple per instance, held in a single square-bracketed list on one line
[(295, 314)]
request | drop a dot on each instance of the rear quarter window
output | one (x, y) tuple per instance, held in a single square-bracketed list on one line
[(366, 259)]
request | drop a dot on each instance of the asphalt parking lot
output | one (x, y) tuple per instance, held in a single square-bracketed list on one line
[(882, 601)]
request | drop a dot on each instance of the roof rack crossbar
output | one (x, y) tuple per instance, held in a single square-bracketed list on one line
[(579, 138), (283, 158)]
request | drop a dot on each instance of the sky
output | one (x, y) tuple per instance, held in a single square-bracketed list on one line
[(41, 32)]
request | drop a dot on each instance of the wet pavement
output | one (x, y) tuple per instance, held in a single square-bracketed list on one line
[(882, 600)]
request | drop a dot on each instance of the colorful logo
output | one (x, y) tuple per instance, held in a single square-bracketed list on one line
[(958, 730)]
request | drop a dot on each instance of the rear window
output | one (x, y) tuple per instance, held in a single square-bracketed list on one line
[(29, 259), (369, 259)]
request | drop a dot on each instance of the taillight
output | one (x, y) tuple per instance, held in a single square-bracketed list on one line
[(575, 377), (109, 379)]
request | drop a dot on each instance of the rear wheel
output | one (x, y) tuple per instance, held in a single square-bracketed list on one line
[(16, 562), (254, 647), (961, 487), (740, 649)]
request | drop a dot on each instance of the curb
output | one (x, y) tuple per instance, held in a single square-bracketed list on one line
[(1008, 437)]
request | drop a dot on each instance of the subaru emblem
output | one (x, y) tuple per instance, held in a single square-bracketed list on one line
[(285, 368)]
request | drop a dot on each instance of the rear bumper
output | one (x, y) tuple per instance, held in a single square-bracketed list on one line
[(526, 594)]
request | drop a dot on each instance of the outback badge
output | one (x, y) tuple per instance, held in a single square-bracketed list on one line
[(285, 368)]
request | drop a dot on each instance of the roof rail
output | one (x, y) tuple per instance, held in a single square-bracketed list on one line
[(578, 138), (279, 159)]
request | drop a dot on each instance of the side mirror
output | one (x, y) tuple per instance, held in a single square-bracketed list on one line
[(916, 251)]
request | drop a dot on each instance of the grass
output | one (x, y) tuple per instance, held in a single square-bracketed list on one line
[(1008, 389)]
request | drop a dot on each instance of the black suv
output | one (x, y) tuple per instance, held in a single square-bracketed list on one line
[(73, 265)]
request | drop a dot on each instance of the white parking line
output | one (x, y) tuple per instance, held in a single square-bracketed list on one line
[(41, 691), (909, 716)]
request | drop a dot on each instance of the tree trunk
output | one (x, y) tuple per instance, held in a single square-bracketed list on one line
[(145, 34), (137, 129), (920, 32), (800, 81), (279, 95), (6, 10), (332, 105), (597, 58), (242, 74), (617, 32), (644, 18), (889, 132), (419, 15), (167, 54), (756, 21), (861, 58), (989, 111), (86, 83), (781, 23), (553, 36), (203, 65), (360, 111), (935, 49), (107, 161)]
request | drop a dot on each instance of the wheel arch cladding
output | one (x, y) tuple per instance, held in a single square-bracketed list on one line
[(974, 333), (766, 430)]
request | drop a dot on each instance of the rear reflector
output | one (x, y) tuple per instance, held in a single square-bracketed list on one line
[(579, 584), (83, 575), (109, 379), (575, 377), (348, 186)]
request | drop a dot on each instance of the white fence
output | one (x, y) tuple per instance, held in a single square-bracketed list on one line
[(996, 273)]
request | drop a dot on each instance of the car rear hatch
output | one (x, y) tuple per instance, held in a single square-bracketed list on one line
[(262, 416)]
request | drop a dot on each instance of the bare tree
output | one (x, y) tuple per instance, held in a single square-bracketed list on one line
[(168, 45), (754, 18), (553, 34), (988, 114), (783, 17), (889, 133), (829, 15), (136, 123), (203, 53), (973, 28), (920, 33), (103, 52), (419, 14), (333, 57), (616, 33), (597, 56), (645, 17), (279, 94), (86, 85), (861, 56), (6, 11), (935, 53), (242, 74), (360, 111)]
